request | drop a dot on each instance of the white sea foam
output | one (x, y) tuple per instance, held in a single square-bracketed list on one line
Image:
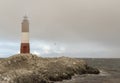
[(104, 73)]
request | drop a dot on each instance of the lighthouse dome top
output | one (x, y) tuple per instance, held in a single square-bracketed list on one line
[(25, 17)]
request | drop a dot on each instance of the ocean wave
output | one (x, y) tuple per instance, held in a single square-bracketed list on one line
[(104, 73)]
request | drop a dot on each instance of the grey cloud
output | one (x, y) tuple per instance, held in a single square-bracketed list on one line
[(66, 21)]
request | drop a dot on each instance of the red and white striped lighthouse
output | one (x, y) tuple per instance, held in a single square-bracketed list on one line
[(25, 46)]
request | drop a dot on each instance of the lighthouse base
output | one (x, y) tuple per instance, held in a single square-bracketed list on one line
[(25, 48)]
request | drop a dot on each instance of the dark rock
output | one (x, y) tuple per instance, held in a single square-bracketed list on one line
[(91, 70), (32, 78)]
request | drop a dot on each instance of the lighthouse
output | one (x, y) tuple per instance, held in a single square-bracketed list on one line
[(25, 46)]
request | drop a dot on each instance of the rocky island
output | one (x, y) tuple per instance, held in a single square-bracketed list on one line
[(29, 68)]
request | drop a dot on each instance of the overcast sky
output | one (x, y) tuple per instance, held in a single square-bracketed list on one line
[(75, 28)]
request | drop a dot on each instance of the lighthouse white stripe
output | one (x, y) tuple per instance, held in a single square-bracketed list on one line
[(25, 37)]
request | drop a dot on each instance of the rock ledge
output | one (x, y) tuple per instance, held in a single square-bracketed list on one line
[(29, 68)]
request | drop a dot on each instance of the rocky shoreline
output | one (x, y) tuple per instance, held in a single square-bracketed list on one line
[(29, 68)]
